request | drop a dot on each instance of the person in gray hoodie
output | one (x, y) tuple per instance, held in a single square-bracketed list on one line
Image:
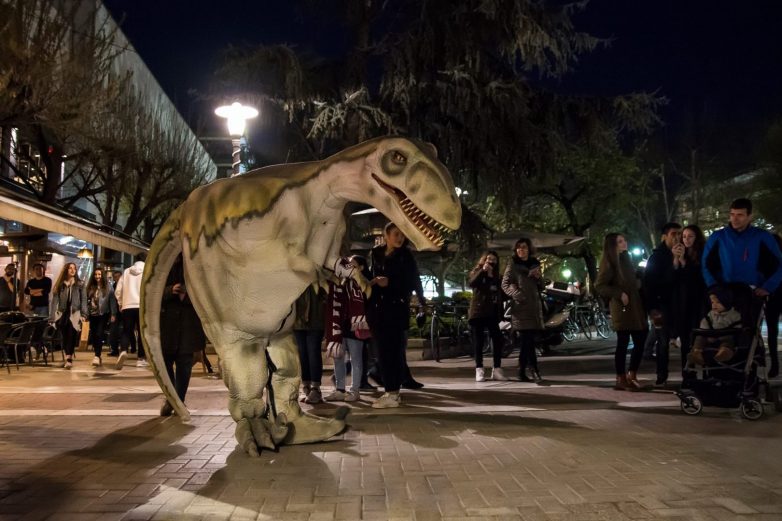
[(128, 294)]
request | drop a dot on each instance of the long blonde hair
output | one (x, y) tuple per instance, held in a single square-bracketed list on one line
[(64, 274)]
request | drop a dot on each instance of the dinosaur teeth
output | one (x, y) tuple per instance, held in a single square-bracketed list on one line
[(427, 225)]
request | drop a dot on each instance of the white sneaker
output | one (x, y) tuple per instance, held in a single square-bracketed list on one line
[(497, 374), (387, 401), (479, 374), (121, 359), (336, 396), (67, 365), (95, 361), (353, 396), (142, 363)]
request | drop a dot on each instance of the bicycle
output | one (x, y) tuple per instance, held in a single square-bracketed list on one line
[(571, 329), (583, 317), (600, 320), (448, 321)]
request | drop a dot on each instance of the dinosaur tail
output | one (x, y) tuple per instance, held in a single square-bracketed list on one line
[(162, 254)]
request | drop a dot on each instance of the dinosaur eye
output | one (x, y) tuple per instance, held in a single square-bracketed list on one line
[(393, 162)]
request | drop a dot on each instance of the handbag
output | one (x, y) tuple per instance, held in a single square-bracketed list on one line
[(335, 350)]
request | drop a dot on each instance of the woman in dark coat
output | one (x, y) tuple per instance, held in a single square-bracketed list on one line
[(485, 312), (181, 333), (689, 293), (68, 309), (395, 276), (619, 282), (522, 283)]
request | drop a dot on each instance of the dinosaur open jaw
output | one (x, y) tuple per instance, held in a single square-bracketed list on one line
[(427, 225)]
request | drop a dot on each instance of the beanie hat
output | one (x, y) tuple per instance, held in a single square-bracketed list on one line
[(722, 294)]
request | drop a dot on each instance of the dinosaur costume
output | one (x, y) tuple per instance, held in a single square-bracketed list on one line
[(252, 244)]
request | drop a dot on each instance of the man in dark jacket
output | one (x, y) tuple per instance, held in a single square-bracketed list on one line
[(658, 284), (181, 334), (9, 289)]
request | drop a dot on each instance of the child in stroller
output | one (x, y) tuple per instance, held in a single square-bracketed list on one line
[(721, 316), (730, 353)]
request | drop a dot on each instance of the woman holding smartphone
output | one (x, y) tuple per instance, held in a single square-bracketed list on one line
[(486, 312), (522, 283), (689, 292)]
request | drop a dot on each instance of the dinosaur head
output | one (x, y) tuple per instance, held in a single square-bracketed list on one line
[(407, 183)]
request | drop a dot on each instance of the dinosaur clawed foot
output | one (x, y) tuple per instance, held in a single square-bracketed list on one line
[(308, 428), (255, 434)]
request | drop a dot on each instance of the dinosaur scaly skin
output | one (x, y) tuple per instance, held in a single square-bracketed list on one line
[(252, 244)]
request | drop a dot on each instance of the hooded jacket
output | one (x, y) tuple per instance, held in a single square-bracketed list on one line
[(526, 309), (128, 291)]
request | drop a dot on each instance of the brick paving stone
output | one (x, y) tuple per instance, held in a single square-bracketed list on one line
[(581, 456)]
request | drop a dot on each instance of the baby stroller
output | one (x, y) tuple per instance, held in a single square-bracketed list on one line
[(741, 381)]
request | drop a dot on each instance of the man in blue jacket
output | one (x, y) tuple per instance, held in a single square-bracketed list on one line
[(743, 253)]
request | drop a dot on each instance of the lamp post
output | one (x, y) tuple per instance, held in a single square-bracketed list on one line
[(237, 116)]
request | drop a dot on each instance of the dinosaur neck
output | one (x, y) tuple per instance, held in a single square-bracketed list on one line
[(325, 197)]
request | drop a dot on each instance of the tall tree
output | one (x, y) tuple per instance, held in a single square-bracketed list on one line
[(140, 164), (465, 76), (55, 63)]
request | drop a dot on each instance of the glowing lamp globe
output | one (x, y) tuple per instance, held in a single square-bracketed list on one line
[(237, 115)]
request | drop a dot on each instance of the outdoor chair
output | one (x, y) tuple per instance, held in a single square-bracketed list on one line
[(18, 337), (37, 341), (13, 317), (5, 328), (52, 341)]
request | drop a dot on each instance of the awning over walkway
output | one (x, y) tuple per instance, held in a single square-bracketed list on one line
[(15, 208), (547, 242)]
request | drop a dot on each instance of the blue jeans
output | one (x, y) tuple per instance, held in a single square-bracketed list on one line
[(41, 311), (354, 347)]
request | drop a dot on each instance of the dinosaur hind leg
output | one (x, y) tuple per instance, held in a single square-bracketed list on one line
[(245, 373), (304, 427)]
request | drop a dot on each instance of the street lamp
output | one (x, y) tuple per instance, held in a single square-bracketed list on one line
[(237, 115)]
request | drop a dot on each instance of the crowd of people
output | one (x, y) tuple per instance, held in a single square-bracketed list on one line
[(365, 314)]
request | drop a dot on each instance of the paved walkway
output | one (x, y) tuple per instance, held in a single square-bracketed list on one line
[(88, 444)]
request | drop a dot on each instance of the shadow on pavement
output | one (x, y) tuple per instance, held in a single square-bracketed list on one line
[(73, 478)]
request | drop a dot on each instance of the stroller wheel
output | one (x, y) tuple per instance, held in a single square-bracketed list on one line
[(751, 409), (691, 405)]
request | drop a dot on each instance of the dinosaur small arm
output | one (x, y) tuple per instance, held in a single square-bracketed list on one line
[(253, 243)]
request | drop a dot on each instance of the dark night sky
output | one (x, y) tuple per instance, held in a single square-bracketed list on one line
[(725, 55)]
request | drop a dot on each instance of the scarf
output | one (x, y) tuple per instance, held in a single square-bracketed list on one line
[(344, 309)]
